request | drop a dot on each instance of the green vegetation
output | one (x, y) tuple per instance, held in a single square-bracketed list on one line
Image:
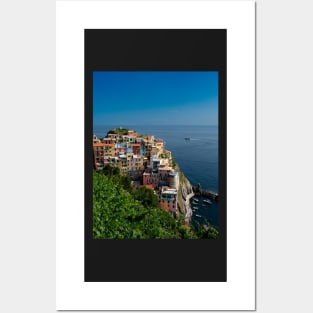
[(146, 197), (110, 170), (174, 164), (119, 212), (119, 131), (206, 232)]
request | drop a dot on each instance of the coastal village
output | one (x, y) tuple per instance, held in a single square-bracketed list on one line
[(147, 162)]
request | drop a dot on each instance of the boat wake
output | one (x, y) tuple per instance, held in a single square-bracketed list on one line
[(188, 138)]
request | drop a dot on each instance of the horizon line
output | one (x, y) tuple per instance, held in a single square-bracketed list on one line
[(140, 125)]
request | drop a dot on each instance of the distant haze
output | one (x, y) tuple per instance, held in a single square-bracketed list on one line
[(156, 98)]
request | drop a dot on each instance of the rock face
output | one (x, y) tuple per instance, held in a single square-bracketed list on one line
[(184, 194)]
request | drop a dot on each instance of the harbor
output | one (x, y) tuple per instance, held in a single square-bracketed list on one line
[(199, 191), (204, 205)]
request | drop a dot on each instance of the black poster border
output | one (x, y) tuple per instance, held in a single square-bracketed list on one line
[(202, 260)]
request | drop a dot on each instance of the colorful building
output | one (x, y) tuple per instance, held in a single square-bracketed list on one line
[(155, 163), (168, 199), (120, 148), (132, 133), (101, 151), (173, 179), (151, 178), (136, 148), (139, 140), (160, 145), (164, 172), (95, 139), (143, 159), (154, 152), (123, 160), (149, 139), (135, 162), (107, 140), (115, 137)]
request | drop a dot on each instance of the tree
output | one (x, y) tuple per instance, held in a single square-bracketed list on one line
[(117, 215), (174, 164), (107, 170), (206, 231), (126, 183), (111, 132), (122, 214), (146, 197)]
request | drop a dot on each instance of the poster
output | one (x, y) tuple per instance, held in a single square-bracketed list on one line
[(162, 46)]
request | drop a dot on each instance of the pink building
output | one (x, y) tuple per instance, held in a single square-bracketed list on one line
[(132, 133), (120, 149), (168, 199), (151, 179)]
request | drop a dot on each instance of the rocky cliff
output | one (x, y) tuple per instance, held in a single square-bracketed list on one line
[(184, 194)]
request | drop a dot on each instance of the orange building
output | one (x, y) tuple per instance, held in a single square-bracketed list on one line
[(101, 151)]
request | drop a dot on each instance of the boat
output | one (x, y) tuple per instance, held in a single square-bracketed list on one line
[(198, 215), (195, 200), (195, 207), (207, 201), (187, 138)]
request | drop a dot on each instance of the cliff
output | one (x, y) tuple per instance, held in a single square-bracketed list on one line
[(184, 194)]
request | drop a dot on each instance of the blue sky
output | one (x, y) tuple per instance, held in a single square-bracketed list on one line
[(155, 98)]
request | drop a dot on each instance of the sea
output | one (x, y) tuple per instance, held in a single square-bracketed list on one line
[(197, 159)]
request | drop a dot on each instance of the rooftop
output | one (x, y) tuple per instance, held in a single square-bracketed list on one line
[(165, 168), (103, 144)]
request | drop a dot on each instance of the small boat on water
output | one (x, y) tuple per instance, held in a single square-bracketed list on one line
[(195, 200), (187, 138), (195, 208), (207, 201), (198, 215)]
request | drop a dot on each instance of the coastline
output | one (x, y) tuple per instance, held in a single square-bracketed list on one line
[(188, 215), (185, 193)]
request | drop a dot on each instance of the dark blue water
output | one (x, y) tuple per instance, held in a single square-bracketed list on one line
[(197, 157)]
